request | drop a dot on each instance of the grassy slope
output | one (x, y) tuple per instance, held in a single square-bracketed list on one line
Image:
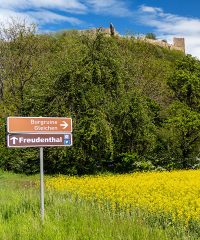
[(64, 219)]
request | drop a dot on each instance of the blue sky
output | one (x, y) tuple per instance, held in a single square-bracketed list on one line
[(165, 18)]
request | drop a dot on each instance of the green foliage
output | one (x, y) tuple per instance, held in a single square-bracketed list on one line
[(183, 122), (183, 126), (134, 130), (125, 96), (150, 36), (185, 81), (129, 162), (22, 62)]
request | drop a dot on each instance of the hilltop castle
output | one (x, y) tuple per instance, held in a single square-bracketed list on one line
[(178, 43)]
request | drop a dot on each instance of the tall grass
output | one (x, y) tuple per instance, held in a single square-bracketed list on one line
[(66, 218)]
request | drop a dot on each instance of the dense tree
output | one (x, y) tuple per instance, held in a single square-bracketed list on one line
[(25, 64), (185, 81), (133, 107), (183, 128), (150, 36), (183, 121)]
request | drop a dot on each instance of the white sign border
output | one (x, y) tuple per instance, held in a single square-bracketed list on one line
[(64, 118), (69, 145)]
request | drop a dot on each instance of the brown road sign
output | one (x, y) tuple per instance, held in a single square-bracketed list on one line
[(38, 125), (39, 140)]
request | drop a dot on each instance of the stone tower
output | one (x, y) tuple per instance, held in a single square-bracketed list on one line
[(179, 44), (112, 30)]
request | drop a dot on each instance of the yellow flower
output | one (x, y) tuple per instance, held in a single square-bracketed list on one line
[(176, 193)]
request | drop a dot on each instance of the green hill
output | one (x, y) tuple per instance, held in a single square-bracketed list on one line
[(135, 106)]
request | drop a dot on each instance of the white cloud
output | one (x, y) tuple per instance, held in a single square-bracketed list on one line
[(6, 14), (50, 17), (148, 9), (168, 25), (55, 11), (74, 6), (39, 17), (41, 11), (111, 7)]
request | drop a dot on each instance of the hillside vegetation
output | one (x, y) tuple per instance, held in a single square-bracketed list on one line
[(134, 106)]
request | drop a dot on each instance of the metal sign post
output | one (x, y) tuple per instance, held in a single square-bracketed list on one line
[(39, 132), (41, 185)]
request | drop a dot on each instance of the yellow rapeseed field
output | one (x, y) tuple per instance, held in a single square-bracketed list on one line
[(176, 193)]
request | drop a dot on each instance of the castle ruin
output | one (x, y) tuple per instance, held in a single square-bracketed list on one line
[(178, 43), (107, 31)]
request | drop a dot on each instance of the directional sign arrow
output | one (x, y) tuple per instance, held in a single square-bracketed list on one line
[(39, 124), (14, 139), (64, 125), (20, 140)]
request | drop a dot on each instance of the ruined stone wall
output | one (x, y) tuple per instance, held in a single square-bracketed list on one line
[(178, 43), (94, 31), (156, 42)]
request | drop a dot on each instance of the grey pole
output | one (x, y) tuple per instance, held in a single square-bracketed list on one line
[(41, 185)]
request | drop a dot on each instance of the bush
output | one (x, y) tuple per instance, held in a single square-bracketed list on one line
[(128, 162)]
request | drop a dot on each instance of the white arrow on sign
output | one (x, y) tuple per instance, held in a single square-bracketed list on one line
[(64, 125), (14, 139)]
